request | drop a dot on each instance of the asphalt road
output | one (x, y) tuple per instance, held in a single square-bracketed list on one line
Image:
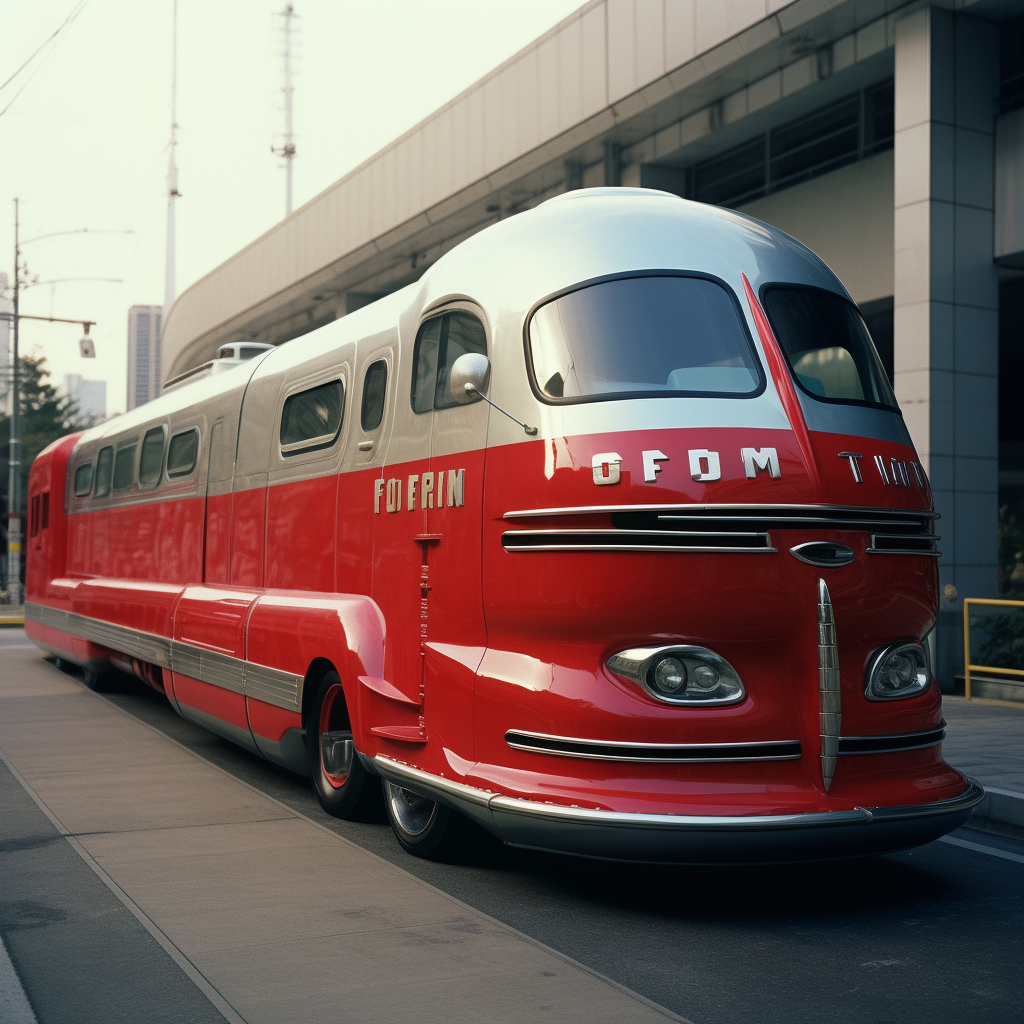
[(934, 934)]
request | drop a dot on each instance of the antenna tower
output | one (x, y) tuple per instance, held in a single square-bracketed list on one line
[(288, 149), (172, 170)]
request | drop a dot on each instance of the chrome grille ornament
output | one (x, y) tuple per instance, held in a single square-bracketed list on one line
[(828, 685)]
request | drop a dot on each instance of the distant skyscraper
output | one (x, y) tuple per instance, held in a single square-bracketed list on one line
[(89, 395), (6, 306), (143, 355)]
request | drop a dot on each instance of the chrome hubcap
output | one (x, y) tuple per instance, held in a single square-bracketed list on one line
[(336, 753), (411, 811)]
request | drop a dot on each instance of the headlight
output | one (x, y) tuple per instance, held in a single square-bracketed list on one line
[(692, 676), (900, 670)]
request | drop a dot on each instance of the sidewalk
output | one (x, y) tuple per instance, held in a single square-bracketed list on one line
[(12, 615), (274, 918), (986, 742)]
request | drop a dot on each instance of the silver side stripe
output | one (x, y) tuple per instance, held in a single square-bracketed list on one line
[(829, 709), (261, 682)]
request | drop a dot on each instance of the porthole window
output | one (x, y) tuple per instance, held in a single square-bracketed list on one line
[(182, 453), (439, 343), (104, 472), (83, 480), (375, 386), (312, 419), (152, 459), (124, 467)]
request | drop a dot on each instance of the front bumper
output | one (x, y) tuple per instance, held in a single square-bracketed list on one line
[(691, 839)]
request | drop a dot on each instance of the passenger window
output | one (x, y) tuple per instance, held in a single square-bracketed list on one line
[(124, 467), (152, 459), (104, 472), (46, 510), (375, 386), (312, 419), (33, 516), (424, 378), (182, 453), (83, 480), (441, 341)]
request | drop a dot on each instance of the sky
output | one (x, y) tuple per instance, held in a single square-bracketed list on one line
[(84, 133)]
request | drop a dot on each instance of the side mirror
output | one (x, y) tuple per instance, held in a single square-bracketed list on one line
[(469, 376)]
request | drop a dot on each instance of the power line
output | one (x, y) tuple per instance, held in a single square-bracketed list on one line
[(67, 21)]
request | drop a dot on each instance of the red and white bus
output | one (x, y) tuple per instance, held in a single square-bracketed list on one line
[(607, 534)]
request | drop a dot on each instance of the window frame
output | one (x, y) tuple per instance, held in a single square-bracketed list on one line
[(167, 474), (96, 495), (163, 457), (384, 403), (856, 403), (439, 313), (320, 442), (74, 479), (628, 396)]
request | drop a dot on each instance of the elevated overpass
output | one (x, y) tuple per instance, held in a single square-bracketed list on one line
[(621, 92)]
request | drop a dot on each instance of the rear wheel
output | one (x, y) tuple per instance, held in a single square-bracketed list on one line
[(423, 827), (94, 679), (344, 788)]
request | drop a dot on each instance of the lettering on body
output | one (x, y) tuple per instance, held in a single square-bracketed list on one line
[(441, 489)]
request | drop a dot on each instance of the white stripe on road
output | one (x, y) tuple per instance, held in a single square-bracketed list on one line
[(14, 1004), (979, 848)]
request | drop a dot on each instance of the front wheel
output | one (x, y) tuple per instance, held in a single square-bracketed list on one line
[(344, 788), (423, 827)]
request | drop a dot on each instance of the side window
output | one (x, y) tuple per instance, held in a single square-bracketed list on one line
[(375, 388), (152, 459), (424, 375), (124, 467), (45, 517), (104, 472), (440, 342), (312, 419), (33, 516), (83, 480), (182, 453)]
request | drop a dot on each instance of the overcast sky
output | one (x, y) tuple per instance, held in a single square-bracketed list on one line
[(84, 145)]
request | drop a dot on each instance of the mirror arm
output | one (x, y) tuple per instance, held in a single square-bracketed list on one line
[(471, 389)]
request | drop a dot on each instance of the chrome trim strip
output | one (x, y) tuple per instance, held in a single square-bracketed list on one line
[(445, 790), (260, 682), (829, 709), (273, 686), (620, 537), (933, 737), (931, 538), (657, 753), (583, 510)]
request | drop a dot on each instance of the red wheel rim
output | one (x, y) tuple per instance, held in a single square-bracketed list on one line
[(332, 715)]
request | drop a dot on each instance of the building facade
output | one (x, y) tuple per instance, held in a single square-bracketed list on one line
[(887, 135), (90, 396), (143, 355)]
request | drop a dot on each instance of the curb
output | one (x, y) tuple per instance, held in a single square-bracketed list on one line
[(1003, 805)]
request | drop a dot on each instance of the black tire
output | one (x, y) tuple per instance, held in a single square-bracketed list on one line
[(421, 826), (344, 788), (94, 679)]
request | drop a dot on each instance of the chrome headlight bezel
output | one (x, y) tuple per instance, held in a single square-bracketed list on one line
[(637, 664), (873, 680)]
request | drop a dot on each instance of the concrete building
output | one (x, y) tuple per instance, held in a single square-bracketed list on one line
[(143, 355), (888, 135), (89, 395)]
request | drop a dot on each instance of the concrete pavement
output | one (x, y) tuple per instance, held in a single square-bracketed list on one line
[(272, 917)]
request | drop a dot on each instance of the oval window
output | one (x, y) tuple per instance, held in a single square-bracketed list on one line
[(182, 452), (152, 459), (375, 386), (83, 480)]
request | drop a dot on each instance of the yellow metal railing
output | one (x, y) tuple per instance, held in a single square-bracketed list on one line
[(968, 667)]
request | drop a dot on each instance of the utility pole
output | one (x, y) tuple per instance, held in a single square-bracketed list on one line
[(14, 531), (288, 149), (172, 171), (14, 446)]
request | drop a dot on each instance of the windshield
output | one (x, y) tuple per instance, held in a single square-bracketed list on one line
[(643, 337), (828, 346)]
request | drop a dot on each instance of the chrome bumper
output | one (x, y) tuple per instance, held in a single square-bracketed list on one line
[(690, 839)]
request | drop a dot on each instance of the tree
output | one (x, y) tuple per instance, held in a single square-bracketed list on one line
[(45, 416)]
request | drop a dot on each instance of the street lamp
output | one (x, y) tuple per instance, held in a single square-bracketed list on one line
[(14, 446)]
